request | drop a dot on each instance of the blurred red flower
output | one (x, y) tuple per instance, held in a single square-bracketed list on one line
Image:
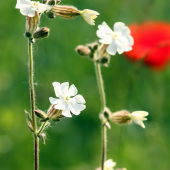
[(151, 43)]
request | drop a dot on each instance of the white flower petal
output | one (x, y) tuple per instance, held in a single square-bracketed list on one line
[(142, 113), (31, 12), (79, 99), (118, 26), (109, 164), (73, 90), (25, 11), (59, 104), (64, 87), (75, 112), (21, 3), (130, 40), (120, 47), (78, 107), (106, 40), (52, 100), (139, 122), (111, 49), (66, 111), (106, 28), (89, 15), (57, 89), (125, 31)]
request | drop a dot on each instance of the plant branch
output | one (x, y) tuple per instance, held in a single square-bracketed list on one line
[(32, 98), (103, 105)]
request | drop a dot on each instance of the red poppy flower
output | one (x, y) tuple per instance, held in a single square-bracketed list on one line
[(151, 43)]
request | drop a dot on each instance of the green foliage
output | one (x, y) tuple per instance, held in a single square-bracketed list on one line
[(74, 144)]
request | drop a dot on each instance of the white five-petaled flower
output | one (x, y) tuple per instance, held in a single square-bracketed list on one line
[(64, 102), (138, 117), (28, 8), (89, 15), (118, 40), (109, 164)]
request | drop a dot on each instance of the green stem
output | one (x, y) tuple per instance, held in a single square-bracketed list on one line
[(32, 98), (103, 105), (41, 128)]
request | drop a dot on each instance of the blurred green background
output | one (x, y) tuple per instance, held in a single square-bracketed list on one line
[(74, 144)]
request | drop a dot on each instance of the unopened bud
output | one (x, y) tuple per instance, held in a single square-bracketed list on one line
[(105, 59), (28, 34), (42, 136), (40, 114), (107, 113), (83, 50), (122, 169), (51, 2), (93, 46), (32, 23), (49, 14), (54, 114), (120, 117), (41, 33), (29, 121), (64, 11)]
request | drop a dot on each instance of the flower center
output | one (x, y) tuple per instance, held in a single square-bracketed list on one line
[(36, 4), (114, 35), (67, 98)]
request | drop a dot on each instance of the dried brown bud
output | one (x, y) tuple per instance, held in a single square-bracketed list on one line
[(83, 50), (64, 11), (41, 33), (120, 117), (32, 23)]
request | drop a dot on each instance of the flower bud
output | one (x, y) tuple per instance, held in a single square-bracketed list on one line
[(41, 33), (122, 169), (93, 46), (83, 50), (28, 34), (54, 114), (49, 14), (29, 121), (105, 59), (32, 23), (42, 136), (51, 2), (41, 114), (64, 11), (120, 117)]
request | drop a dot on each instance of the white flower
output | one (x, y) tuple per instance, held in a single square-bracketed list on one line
[(65, 102), (28, 8), (119, 39), (109, 164), (138, 117), (89, 15)]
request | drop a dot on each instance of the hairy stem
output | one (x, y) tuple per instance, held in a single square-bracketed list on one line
[(103, 105), (32, 98)]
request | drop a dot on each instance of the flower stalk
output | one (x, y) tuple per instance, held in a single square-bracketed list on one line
[(32, 99), (103, 105)]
